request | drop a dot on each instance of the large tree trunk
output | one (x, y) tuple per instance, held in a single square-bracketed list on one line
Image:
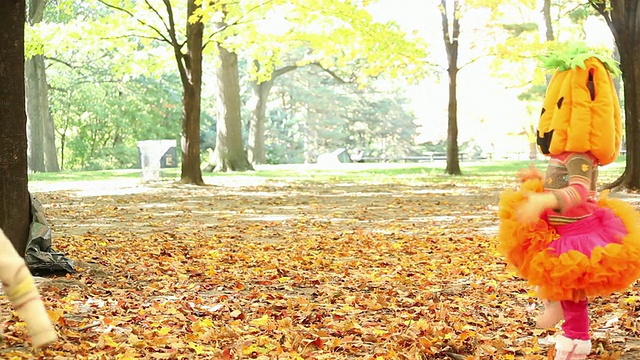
[(42, 146), (629, 47), (14, 194), (451, 45), (623, 19), (190, 67), (255, 150), (229, 154)]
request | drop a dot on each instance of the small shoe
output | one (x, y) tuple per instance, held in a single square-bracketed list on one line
[(44, 338), (26, 300), (571, 349), (551, 316)]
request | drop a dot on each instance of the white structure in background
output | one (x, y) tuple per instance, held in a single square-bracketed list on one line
[(335, 157), (151, 152)]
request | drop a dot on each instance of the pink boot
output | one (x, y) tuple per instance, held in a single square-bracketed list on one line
[(18, 286), (570, 349), (551, 316)]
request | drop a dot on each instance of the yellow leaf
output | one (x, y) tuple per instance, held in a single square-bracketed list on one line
[(261, 321), (197, 348), (109, 341), (164, 331), (129, 355)]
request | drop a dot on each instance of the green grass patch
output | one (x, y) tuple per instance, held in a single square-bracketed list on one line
[(485, 172)]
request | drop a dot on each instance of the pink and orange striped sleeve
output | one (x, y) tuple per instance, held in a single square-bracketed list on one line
[(581, 169)]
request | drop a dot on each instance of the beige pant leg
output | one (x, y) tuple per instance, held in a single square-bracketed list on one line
[(18, 286)]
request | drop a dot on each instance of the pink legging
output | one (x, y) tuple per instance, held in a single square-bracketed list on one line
[(576, 319)]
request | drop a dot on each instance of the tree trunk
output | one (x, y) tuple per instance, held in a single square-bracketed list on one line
[(453, 161), (451, 46), (255, 150), (548, 24), (40, 124), (229, 154), (35, 127), (37, 97), (623, 18), (629, 47), (548, 35), (258, 121), (14, 194), (50, 152), (190, 66)]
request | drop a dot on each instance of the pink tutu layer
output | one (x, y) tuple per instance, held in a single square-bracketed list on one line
[(599, 229)]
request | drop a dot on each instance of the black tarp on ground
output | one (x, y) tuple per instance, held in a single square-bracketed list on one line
[(39, 255)]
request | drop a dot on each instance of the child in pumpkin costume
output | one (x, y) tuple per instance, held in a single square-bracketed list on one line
[(566, 243)]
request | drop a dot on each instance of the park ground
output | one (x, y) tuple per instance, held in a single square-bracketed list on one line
[(366, 261)]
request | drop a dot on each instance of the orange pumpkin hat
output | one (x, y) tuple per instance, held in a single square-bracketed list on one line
[(581, 110)]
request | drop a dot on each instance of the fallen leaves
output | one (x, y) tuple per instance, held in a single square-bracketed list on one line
[(300, 272)]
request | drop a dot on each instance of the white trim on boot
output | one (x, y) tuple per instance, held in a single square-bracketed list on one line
[(572, 349)]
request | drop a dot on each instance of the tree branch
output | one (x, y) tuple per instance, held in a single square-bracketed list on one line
[(330, 72), (601, 7), (177, 48), (166, 27), (238, 21), (445, 21), (132, 35), (224, 27), (283, 70), (473, 60), (132, 15), (60, 61)]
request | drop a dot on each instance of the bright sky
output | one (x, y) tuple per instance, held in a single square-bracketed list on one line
[(486, 110)]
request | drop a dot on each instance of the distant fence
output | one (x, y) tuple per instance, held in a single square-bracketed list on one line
[(426, 157), (463, 156)]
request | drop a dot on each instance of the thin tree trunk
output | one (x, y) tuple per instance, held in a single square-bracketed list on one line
[(257, 123), (190, 67), (548, 24), (14, 194), (50, 151), (229, 154), (453, 161), (255, 150), (451, 46)]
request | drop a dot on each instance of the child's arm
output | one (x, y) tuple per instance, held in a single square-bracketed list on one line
[(580, 169), (536, 204), (529, 173)]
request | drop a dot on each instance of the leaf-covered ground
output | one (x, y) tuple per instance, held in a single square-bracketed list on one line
[(292, 271)]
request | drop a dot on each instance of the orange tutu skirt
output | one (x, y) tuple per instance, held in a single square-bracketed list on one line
[(569, 274)]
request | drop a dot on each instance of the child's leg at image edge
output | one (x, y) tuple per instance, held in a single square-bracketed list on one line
[(575, 344), (18, 286)]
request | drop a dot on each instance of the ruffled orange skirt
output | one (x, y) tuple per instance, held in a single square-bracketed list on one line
[(539, 255)]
